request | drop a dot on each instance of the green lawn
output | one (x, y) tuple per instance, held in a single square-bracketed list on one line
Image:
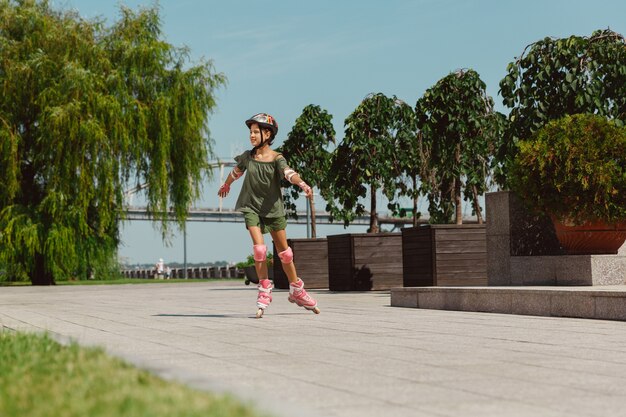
[(144, 281), (128, 281), (41, 378)]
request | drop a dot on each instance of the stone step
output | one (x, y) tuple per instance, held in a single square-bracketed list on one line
[(604, 303)]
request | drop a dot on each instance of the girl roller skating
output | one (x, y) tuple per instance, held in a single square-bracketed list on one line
[(261, 202)]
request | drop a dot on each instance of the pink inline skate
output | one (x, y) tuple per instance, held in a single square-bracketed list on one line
[(298, 295), (264, 298)]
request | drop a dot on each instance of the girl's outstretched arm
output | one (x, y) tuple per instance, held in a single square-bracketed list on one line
[(233, 176), (294, 178)]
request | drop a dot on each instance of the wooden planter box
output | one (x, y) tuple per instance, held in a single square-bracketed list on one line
[(364, 261), (311, 259), (444, 255)]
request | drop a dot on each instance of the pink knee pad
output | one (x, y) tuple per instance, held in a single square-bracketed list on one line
[(260, 252), (286, 256)]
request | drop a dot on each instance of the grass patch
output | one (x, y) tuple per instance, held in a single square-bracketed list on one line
[(125, 281), (14, 283), (144, 281), (41, 378)]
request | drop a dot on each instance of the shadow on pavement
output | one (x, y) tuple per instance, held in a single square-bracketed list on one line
[(231, 316)]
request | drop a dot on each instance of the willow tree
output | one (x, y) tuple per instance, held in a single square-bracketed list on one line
[(458, 128), (367, 160), (306, 151), (85, 110), (556, 77)]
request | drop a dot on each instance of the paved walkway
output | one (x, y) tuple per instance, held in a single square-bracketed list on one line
[(360, 357)]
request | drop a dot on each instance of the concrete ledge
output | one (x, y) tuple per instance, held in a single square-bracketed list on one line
[(568, 270), (605, 303)]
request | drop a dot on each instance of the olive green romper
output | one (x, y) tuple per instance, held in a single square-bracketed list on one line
[(261, 197)]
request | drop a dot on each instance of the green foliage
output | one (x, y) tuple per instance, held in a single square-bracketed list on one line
[(96, 264), (306, 151), (368, 157), (556, 77), (39, 377), (250, 261), (574, 168), (406, 183), (86, 110), (457, 131)]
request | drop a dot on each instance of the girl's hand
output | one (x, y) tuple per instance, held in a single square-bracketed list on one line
[(305, 187), (224, 190)]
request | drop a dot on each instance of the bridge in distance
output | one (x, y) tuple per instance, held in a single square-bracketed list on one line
[(232, 216)]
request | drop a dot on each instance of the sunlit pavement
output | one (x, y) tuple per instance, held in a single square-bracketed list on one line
[(359, 357)]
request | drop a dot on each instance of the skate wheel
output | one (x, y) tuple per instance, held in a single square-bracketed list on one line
[(259, 313), (316, 310), (247, 282)]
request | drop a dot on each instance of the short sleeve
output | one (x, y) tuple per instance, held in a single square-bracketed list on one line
[(281, 163), (242, 161)]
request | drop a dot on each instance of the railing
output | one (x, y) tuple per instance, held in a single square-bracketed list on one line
[(194, 272), (232, 216), (226, 215)]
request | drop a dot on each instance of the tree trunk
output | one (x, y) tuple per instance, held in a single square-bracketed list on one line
[(457, 187), (457, 201), (373, 216), (40, 276), (415, 202), (312, 208), (479, 214)]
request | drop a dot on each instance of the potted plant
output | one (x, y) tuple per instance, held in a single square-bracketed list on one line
[(250, 270), (574, 170)]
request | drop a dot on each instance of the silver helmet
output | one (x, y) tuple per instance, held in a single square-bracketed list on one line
[(264, 120)]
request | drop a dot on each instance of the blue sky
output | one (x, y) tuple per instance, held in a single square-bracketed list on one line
[(280, 56)]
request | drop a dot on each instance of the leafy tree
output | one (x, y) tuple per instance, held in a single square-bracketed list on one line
[(85, 110), (557, 77), (367, 156), (457, 131), (305, 150), (407, 184)]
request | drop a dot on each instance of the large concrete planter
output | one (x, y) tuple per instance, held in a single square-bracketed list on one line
[(523, 250), (311, 259), (444, 255), (362, 262)]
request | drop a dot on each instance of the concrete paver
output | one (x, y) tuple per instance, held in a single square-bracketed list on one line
[(360, 357)]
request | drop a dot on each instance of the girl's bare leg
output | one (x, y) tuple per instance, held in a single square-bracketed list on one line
[(257, 239), (264, 296), (280, 240), (297, 293)]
